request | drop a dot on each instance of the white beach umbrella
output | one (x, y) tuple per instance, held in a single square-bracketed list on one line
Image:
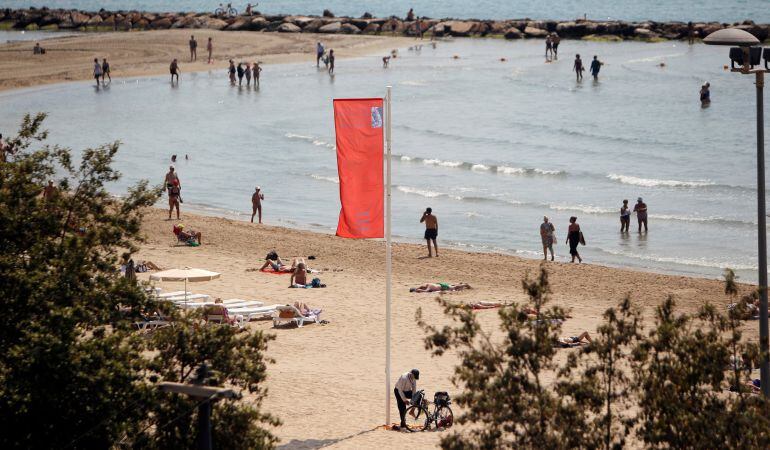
[(186, 274)]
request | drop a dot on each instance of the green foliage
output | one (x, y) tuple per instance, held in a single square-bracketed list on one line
[(667, 388), (72, 372)]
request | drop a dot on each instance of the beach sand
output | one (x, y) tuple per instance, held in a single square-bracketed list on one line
[(141, 53), (327, 383)]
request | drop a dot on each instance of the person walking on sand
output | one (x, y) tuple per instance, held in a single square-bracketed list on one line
[(578, 68), (97, 71), (574, 237), (641, 214), (319, 53), (625, 217), (331, 62), (548, 48), (247, 74), (256, 204), (405, 387), (596, 65), (105, 70), (431, 230), (240, 71), (231, 71), (193, 49), (173, 188), (256, 70), (547, 231), (210, 49), (555, 40), (174, 69)]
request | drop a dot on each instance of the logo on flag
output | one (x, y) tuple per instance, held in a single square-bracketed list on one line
[(376, 116)]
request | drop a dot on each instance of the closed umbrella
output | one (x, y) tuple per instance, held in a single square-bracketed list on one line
[(186, 274)]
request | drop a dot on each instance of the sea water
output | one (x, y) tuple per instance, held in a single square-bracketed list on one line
[(660, 10), (492, 146)]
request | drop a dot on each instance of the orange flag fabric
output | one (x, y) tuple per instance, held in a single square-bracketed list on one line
[(358, 124)]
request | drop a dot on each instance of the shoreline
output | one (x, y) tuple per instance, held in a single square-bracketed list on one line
[(648, 30), (148, 53)]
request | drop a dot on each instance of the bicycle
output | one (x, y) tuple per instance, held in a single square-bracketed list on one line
[(418, 417), (226, 11)]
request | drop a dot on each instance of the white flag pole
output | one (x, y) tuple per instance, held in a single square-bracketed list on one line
[(388, 267)]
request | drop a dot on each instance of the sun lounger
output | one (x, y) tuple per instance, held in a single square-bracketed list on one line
[(189, 298), (257, 312), (290, 314), (151, 323), (220, 315), (172, 294)]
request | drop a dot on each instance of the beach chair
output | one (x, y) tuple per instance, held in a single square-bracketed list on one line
[(258, 312), (290, 314), (151, 323), (218, 314), (190, 298), (166, 295)]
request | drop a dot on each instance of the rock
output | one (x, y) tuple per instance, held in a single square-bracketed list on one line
[(455, 27), (313, 26), (273, 26), (50, 27), (32, 27), (328, 13), (212, 23), (602, 38), (359, 23), (163, 23), (372, 28), (95, 20), (333, 27), (499, 27), (366, 16), (78, 18), (300, 21), (349, 28), (141, 24), (644, 33), (288, 27), (513, 33), (123, 25), (758, 31), (237, 25), (258, 23), (535, 32)]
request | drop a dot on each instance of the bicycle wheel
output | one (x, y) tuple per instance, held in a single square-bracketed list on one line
[(232, 11), (444, 418), (416, 418), (219, 12)]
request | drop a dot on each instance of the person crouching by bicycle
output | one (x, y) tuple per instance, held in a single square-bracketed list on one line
[(405, 387)]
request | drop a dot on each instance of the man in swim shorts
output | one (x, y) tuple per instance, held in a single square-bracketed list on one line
[(546, 235), (641, 214), (256, 204), (431, 230), (193, 49), (173, 189), (174, 69)]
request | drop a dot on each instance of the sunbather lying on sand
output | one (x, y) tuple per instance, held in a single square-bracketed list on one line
[(574, 341), (746, 309), (440, 287), (187, 236)]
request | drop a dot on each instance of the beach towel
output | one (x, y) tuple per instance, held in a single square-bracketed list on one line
[(486, 305), (270, 270)]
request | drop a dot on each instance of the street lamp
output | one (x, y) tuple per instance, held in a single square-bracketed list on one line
[(747, 56)]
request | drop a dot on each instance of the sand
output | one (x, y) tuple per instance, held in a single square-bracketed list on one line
[(327, 383), (150, 53)]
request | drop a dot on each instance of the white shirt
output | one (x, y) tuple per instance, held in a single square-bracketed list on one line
[(406, 382)]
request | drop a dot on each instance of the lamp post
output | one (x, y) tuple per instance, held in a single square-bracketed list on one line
[(747, 56)]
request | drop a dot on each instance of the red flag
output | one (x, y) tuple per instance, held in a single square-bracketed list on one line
[(358, 123)]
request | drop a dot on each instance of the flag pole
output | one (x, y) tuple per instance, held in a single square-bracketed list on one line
[(388, 267)]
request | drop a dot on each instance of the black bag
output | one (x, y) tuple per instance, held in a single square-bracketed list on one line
[(441, 399), (582, 239), (416, 398)]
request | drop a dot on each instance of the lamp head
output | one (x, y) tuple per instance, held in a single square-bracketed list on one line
[(734, 37)]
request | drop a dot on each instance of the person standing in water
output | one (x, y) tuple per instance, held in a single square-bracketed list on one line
[(105, 70), (240, 71), (319, 53), (596, 65), (210, 49), (547, 231), (193, 49), (331, 62), (578, 68), (97, 71), (555, 40), (174, 69), (625, 217), (705, 94), (431, 230), (641, 214), (231, 72), (256, 204), (247, 74), (690, 33), (256, 70), (548, 48), (574, 237)]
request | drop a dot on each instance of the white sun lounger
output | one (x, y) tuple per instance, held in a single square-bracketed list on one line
[(297, 318), (189, 298), (172, 294), (254, 312)]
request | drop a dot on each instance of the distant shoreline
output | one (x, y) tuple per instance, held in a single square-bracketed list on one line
[(34, 19)]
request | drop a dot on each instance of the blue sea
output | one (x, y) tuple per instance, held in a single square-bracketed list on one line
[(659, 10), (492, 146)]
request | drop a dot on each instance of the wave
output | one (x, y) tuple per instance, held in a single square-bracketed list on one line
[(299, 136), (312, 139), (653, 182), (479, 167), (426, 193), (334, 180), (700, 262), (654, 58)]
